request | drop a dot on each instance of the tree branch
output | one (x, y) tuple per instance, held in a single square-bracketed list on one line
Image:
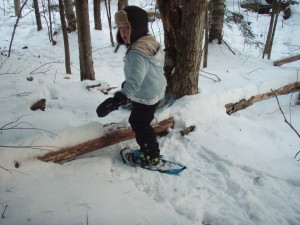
[(285, 120)]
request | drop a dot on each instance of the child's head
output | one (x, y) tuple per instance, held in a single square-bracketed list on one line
[(133, 24)]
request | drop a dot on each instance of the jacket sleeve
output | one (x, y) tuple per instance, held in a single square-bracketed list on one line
[(136, 67)]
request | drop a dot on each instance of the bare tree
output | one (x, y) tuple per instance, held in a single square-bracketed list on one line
[(97, 15), (184, 28), (70, 15), (84, 40), (15, 27), (108, 12), (65, 34), (37, 14), (50, 23)]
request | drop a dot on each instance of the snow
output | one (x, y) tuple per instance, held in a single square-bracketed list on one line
[(241, 168)]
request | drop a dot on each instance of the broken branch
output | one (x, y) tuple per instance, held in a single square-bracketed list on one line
[(101, 142), (242, 104)]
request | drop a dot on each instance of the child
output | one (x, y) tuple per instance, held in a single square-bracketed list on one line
[(144, 85)]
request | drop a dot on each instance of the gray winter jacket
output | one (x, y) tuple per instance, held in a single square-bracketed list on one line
[(145, 80)]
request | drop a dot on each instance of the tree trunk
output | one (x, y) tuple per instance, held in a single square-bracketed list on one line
[(15, 28), (65, 34), (109, 138), (122, 4), (272, 29), (183, 28), (17, 8), (205, 56), (84, 40), (242, 104), (108, 12), (287, 60), (50, 24), (97, 15), (37, 14), (277, 11), (70, 15), (216, 20)]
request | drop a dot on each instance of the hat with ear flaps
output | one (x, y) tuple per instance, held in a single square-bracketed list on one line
[(138, 20)]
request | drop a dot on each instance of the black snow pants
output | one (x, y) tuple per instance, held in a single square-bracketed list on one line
[(140, 120)]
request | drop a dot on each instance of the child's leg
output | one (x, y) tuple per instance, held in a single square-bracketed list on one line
[(140, 120)]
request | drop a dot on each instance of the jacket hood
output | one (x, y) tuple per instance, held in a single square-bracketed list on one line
[(138, 20)]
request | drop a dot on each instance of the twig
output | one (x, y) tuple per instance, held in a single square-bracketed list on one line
[(42, 148), (297, 155), (218, 78), (228, 47), (7, 171), (34, 71), (93, 86), (15, 27), (4, 212), (285, 120), (15, 126), (255, 70)]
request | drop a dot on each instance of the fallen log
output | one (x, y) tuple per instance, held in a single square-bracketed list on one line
[(242, 104), (287, 60), (110, 138)]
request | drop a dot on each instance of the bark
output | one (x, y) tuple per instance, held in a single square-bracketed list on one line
[(122, 4), (287, 60), (84, 40), (187, 130), (205, 56), (217, 13), (272, 29), (97, 15), (17, 8), (50, 24), (70, 15), (183, 30), (242, 104), (37, 15), (65, 35), (110, 138)]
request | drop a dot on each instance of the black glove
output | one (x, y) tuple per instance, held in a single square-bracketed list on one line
[(111, 104)]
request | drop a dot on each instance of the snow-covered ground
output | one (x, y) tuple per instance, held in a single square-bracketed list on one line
[(241, 168)]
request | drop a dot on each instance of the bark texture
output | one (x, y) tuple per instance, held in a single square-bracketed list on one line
[(184, 23), (110, 138), (97, 15), (70, 15), (37, 15), (66, 38), (84, 40), (217, 13), (242, 104), (287, 60)]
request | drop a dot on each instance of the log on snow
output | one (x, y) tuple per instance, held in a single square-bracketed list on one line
[(287, 60), (101, 142), (242, 104)]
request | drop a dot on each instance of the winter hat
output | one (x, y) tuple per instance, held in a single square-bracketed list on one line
[(138, 20)]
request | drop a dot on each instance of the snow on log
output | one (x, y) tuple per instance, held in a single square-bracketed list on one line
[(110, 138), (242, 104), (287, 60)]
